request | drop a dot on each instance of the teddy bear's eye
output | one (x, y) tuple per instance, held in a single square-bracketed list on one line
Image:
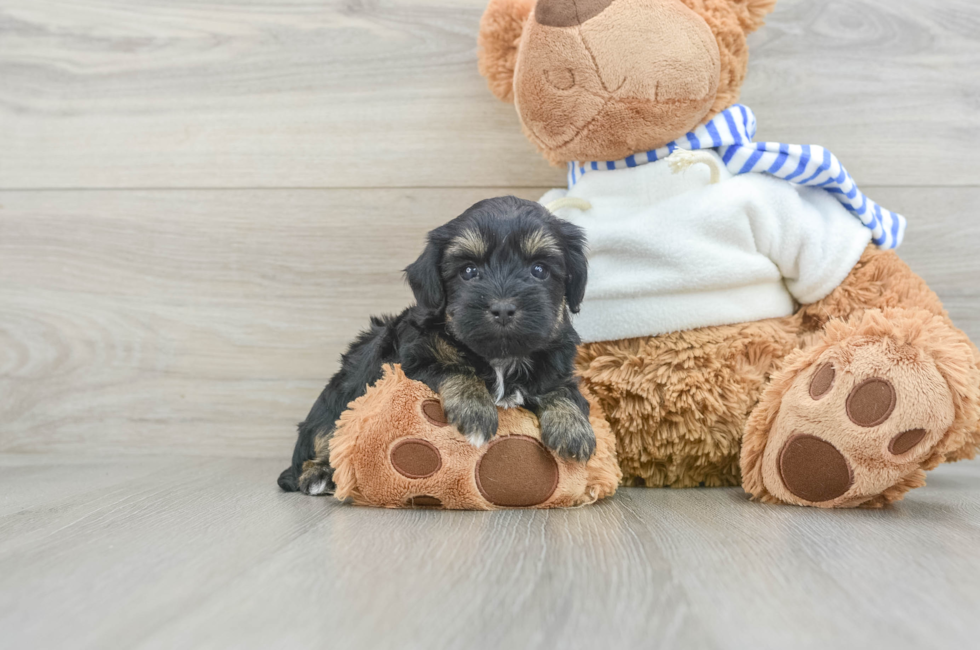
[(560, 78)]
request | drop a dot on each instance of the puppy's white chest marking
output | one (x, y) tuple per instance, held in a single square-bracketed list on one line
[(502, 368), (512, 401)]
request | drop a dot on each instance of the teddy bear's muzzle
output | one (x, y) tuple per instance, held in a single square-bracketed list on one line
[(579, 77)]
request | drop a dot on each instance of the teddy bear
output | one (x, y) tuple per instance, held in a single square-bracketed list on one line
[(747, 320)]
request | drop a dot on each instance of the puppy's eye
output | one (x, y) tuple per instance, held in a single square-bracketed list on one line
[(539, 271), (469, 272)]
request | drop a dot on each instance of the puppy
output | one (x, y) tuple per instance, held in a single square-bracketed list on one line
[(490, 327)]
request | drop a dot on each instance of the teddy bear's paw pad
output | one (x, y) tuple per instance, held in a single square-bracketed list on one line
[(813, 469), (871, 402), (416, 458), (906, 441), (517, 472), (432, 410), (822, 381), (855, 424)]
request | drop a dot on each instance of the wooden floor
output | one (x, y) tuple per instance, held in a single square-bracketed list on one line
[(183, 553), (201, 202)]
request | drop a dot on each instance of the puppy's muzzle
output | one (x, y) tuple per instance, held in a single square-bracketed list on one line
[(503, 312)]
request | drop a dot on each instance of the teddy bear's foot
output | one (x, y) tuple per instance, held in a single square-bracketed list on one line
[(395, 447), (858, 420)]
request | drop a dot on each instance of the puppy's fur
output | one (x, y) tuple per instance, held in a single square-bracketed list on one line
[(490, 328)]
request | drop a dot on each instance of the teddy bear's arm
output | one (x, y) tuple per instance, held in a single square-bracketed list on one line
[(808, 235)]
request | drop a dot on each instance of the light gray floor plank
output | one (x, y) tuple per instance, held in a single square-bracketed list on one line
[(35, 481), (901, 577), (208, 321), (208, 553), (144, 551), (381, 579), (256, 93)]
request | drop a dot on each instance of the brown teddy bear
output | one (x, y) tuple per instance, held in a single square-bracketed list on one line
[(746, 320)]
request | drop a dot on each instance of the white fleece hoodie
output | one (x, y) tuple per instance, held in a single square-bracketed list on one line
[(672, 251)]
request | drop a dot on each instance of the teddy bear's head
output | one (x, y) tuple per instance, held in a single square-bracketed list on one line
[(604, 79)]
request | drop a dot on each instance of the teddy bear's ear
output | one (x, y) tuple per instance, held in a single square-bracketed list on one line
[(500, 33), (752, 13)]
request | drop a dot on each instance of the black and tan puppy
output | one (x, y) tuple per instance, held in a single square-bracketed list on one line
[(490, 327)]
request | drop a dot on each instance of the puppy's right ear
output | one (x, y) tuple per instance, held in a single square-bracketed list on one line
[(576, 263), (424, 277), (500, 34)]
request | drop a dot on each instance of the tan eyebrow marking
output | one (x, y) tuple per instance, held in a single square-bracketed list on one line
[(469, 243), (539, 243)]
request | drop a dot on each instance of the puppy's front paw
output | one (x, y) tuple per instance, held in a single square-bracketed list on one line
[(475, 419), (566, 430), (470, 408), (316, 479)]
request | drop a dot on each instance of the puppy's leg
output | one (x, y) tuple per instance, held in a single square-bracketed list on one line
[(469, 406), (465, 398), (360, 367), (316, 478), (564, 418), (312, 444)]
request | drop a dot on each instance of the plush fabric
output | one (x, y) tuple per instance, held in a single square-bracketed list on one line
[(658, 80), (500, 31), (445, 469), (671, 251), (842, 402), (680, 403), (731, 21)]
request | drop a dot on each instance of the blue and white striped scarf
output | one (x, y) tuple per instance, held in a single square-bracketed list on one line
[(731, 133)]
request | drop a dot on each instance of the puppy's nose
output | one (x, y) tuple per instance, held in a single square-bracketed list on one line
[(568, 13), (503, 312)]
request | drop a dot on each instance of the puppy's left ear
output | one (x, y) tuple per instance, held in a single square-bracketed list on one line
[(424, 278), (576, 263)]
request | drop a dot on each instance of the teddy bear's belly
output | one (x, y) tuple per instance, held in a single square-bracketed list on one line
[(678, 402)]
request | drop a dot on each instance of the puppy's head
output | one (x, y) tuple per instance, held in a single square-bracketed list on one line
[(504, 275)]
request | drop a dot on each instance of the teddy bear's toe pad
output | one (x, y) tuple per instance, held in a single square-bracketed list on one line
[(871, 402), (854, 424), (823, 381), (905, 441), (415, 458)]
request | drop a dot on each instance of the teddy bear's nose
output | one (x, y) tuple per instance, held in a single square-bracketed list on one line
[(568, 13)]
